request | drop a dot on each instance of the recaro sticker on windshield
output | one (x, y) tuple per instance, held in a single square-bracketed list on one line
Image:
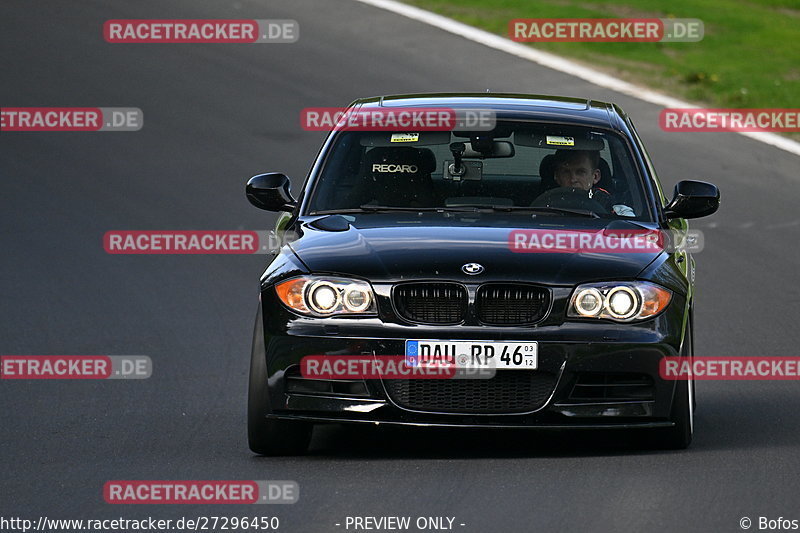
[(404, 137), (560, 141)]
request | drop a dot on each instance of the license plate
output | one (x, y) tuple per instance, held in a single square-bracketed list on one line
[(473, 354)]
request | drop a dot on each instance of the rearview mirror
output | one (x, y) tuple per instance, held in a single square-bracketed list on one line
[(693, 199), (489, 150), (270, 192)]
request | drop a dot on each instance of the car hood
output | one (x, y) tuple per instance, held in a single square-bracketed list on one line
[(423, 247)]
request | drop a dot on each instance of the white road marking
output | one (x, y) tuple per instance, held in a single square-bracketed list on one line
[(562, 65), (784, 225)]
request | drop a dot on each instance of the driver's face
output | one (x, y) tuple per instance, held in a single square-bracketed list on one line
[(577, 172)]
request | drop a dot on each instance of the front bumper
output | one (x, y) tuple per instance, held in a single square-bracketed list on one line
[(601, 354)]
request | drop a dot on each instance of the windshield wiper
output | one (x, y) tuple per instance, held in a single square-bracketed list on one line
[(440, 209), (556, 210), (566, 211), (369, 208), (378, 208)]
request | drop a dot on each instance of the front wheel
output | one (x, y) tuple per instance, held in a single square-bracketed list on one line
[(278, 437), (679, 436), (267, 436)]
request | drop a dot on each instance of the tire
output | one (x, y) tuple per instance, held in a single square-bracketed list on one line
[(279, 437), (691, 354), (267, 436), (679, 436)]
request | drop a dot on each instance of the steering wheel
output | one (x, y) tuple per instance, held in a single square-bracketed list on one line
[(569, 198)]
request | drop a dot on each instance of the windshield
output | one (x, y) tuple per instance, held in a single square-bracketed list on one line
[(519, 166)]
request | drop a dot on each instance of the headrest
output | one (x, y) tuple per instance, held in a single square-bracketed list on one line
[(405, 161), (606, 182), (547, 171)]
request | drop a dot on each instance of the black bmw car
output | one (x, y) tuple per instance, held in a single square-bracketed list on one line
[(416, 244)]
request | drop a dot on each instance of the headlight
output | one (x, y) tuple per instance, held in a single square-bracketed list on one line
[(327, 296), (620, 301), (589, 302)]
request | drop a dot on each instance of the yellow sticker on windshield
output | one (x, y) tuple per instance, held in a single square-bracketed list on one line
[(560, 141), (404, 137)]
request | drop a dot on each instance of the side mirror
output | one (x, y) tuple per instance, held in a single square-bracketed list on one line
[(693, 199), (270, 192)]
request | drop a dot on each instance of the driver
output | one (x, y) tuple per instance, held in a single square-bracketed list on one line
[(580, 169)]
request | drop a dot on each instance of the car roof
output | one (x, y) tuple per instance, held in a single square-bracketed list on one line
[(511, 106)]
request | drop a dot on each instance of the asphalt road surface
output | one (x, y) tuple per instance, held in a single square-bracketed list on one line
[(216, 114)]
